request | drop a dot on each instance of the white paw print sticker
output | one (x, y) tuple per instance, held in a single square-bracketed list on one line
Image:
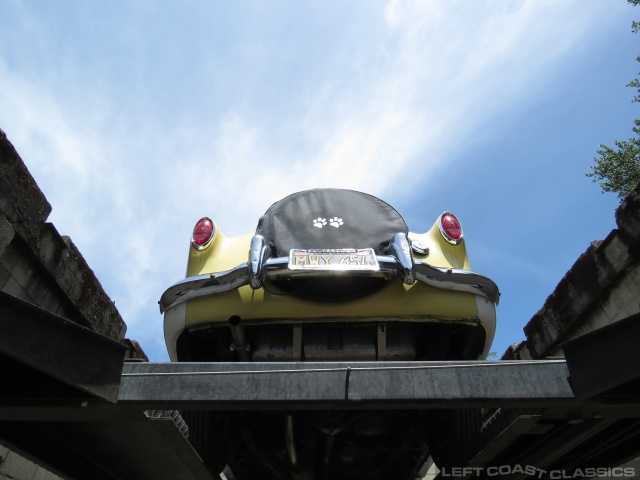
[(319, 222), (336, 222)]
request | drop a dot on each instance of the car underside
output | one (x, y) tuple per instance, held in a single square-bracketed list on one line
[(331, 341)]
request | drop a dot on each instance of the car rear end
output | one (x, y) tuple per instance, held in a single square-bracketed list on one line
[(330, 275)]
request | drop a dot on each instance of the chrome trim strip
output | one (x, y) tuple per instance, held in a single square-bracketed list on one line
[(204, 286), (401, 250), (458, 280), (446, 278), (258, 253)]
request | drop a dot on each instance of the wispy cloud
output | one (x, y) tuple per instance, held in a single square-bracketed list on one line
[(408, 83)]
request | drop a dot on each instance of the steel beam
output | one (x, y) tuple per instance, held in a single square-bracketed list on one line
[(363, 385), (60, 349), (131, 447), (605, 359)]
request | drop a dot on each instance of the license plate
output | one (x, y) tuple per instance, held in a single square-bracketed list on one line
[(347, 259)]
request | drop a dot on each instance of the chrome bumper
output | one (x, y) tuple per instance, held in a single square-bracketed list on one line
[(260, 269)]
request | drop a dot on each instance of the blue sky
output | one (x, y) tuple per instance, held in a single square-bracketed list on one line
[(137, 118)]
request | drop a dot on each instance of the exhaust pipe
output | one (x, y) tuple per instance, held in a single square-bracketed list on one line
[(240, 343), (290, 443), (300, 467)]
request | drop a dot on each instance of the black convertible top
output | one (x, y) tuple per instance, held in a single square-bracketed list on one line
[(328, 218)]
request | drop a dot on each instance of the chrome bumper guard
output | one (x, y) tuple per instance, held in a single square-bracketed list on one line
[(260, 269)]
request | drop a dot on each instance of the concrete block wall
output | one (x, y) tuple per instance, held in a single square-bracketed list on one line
[(15, 467), (602, 287), (40, 266)]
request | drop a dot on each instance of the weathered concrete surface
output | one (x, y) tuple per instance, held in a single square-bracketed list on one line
[(14, 466), (21, 201), (603, 286), (39, 265)]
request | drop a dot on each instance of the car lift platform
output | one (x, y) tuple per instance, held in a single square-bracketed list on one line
[(70, 402), (342, 385)]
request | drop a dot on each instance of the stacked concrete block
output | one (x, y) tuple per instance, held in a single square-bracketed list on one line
[(16, 467), (39, 265), (602, 287), (42, 267)]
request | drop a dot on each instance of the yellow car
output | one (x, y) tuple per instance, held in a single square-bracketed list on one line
[(329, 275)]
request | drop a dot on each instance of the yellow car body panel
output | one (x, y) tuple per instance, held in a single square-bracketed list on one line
[(224, 253), (396, 301)]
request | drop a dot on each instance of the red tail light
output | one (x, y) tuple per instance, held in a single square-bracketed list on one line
[(203, 233), (450, 228)]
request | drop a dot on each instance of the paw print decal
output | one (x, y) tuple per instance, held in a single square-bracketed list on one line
[(319, 222), (336, 222)]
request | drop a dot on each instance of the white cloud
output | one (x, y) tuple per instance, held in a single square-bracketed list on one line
[(127, 184)]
